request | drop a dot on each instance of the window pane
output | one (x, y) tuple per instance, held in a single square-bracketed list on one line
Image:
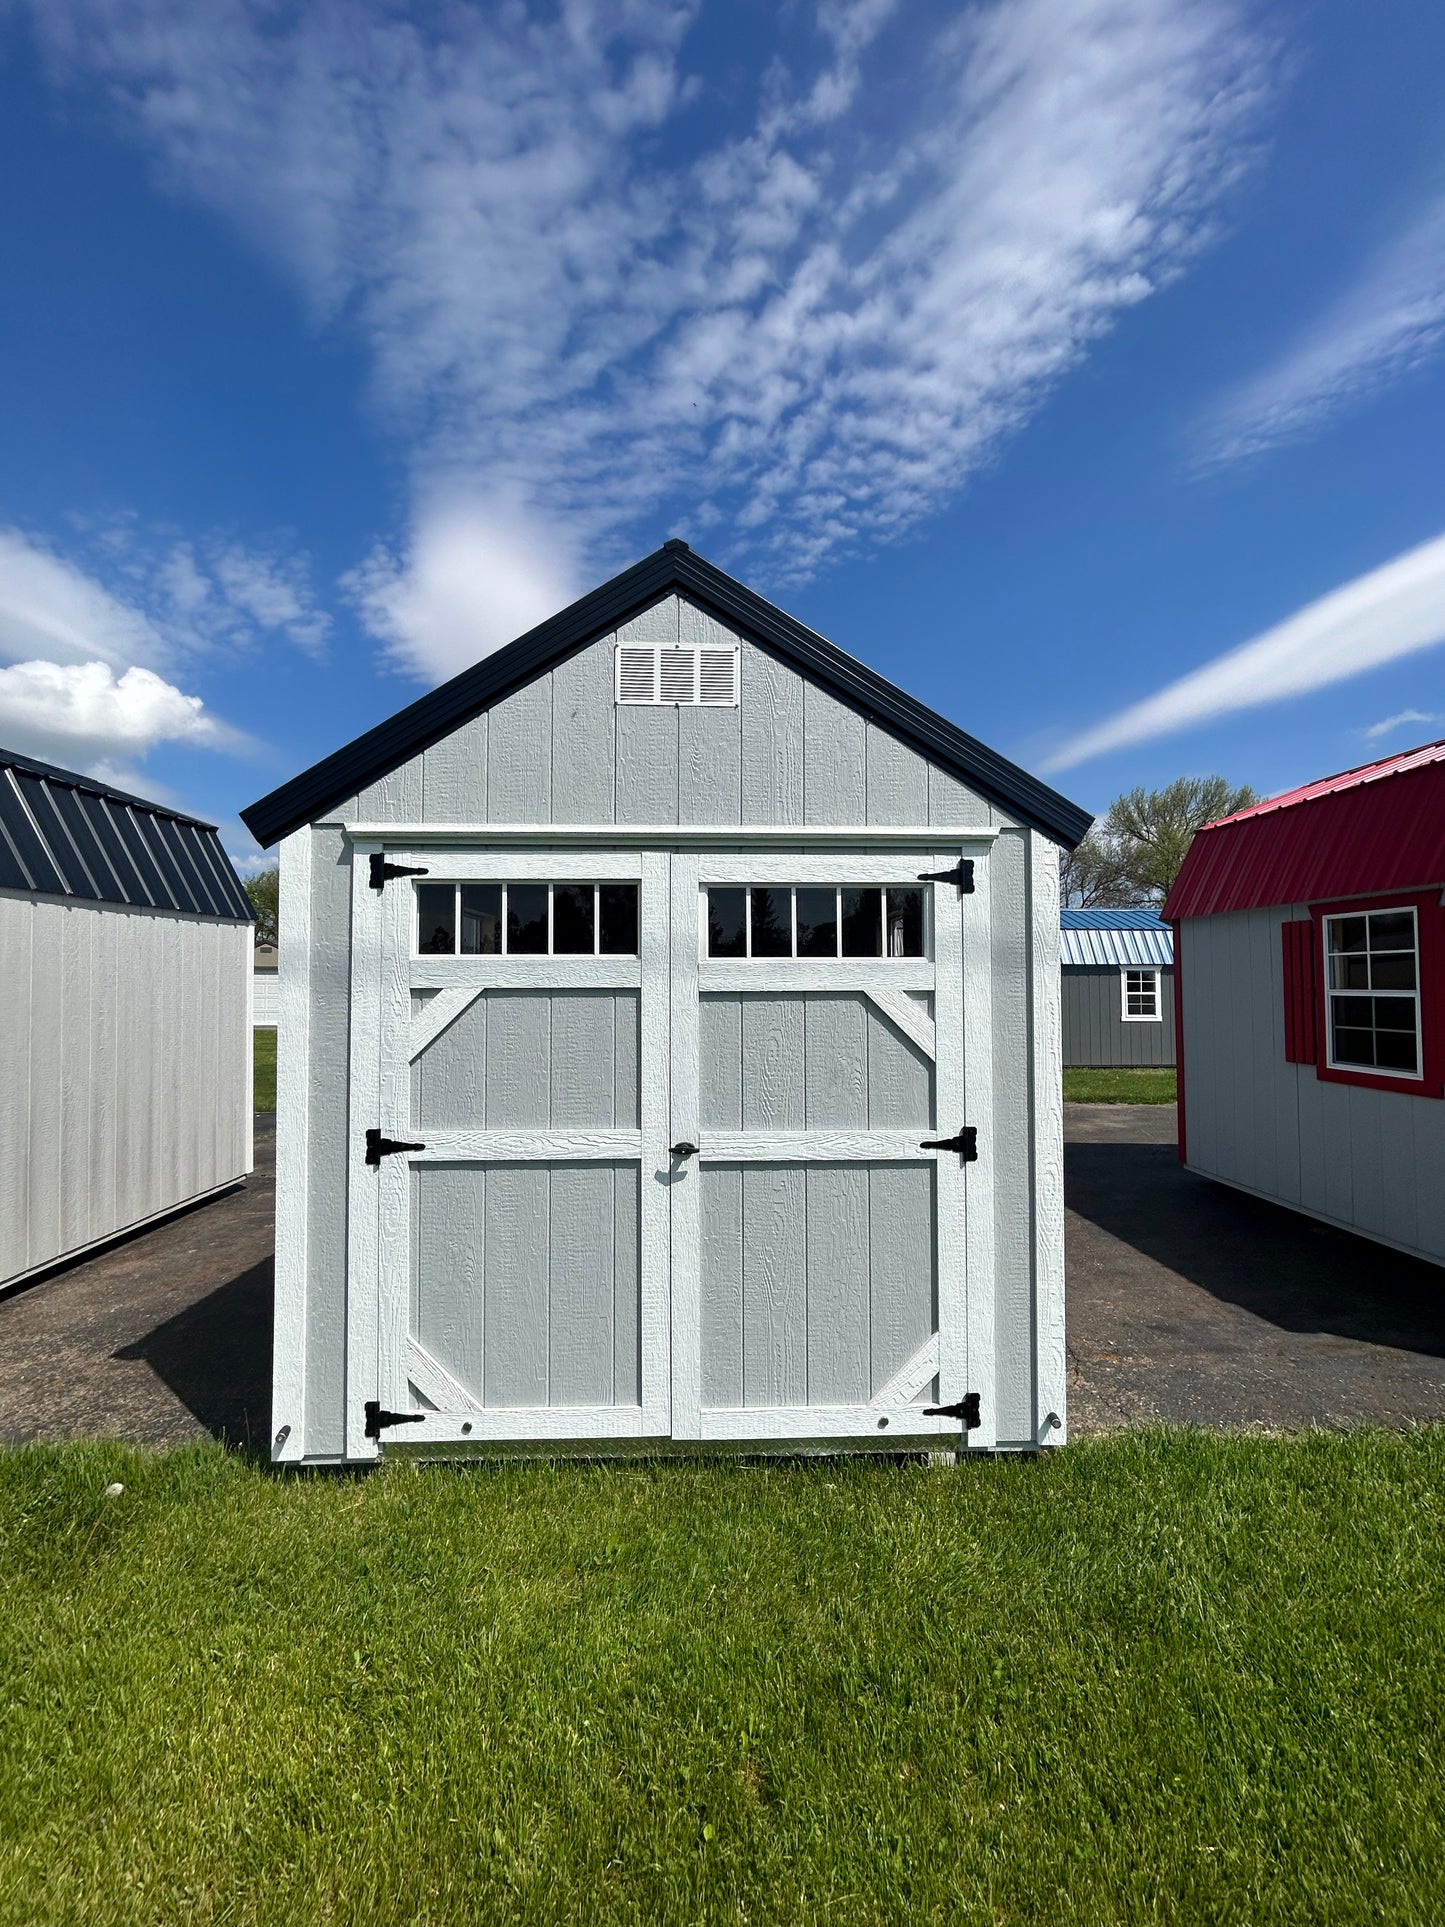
[(727, 929), (1347, 933), (905, 923), (1350, 973), (862, 923), (1392, 930), (817, 923), (1394, 971), (1355, 1047), (436, 919), (572, 920), (619, 919), (481, 919), (772, 923), (1395, 1050), (1395, 1013), (527, 919)]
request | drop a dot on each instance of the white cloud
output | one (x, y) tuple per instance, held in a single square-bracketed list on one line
[(50, 607), (84, 715), (1391, 612), (1388, 323), (1391, 723), (477, 575), (812, 329)]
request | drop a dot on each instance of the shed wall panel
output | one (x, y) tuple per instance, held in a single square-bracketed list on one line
[(1012, 1126), (1095, 1032), (1364, 1159), (123, 1070)]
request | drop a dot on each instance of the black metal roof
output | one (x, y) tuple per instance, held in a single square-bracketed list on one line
[(64, 835), (673, 567)]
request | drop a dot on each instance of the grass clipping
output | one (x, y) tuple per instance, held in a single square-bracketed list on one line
[(1161, 1677)]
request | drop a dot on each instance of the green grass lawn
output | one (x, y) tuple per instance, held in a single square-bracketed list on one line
[(263, 1060), (1158, 1678), (1119, 1087)]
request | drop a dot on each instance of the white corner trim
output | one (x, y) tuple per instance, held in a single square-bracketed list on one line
[(293, 1072)]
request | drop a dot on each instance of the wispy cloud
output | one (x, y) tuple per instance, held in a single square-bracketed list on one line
[(1390, 321), (1399, 721), (1391, 612), (808, 331)]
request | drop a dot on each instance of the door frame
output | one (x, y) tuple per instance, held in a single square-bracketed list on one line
[(383, 1357)]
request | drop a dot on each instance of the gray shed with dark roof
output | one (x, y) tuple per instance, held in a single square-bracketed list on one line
[(668, 1048), (125, 1048)]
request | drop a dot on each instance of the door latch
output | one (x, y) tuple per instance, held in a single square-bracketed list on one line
[(381, 870), (683, 1150), (965, 1411), (966, 1144), (961, 874), (379, 1147), (377, 1418)]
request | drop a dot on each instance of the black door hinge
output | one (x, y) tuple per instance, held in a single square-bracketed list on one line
[(376, 1418), (379, 1147), (961, 874), (381, 870), (966, 1412), (966, 1144)]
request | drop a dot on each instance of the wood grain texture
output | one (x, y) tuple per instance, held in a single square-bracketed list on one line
[(772, 1064), (328, 1143), (519, 755), (584, 745), (967, 1259), (362, 1216), (775, 1305), (902, 1295), (721, 1272), (835, 760), (897, 780), (839, 1289), (1013, 1202), (772, 739), (454, 775), (710, 741)]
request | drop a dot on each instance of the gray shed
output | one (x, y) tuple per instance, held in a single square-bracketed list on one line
[(1118, 985), (668, 1049), (125, 1052)]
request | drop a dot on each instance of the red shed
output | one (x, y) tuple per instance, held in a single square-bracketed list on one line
[(1309, 944)]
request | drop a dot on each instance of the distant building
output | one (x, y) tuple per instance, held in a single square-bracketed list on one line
[(263, 992), (125, 1050), (1311, 953), (1118, 987)]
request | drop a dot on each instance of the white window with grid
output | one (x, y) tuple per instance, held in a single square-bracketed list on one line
[(1372, 985), (1140, 996)]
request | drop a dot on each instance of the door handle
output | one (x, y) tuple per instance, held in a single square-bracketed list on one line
[(684, 1150)]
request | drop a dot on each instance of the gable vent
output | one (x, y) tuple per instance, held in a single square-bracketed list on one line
[(674, 676)]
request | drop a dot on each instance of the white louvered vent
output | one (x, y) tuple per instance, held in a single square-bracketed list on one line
[(693, 677), (636, 675)]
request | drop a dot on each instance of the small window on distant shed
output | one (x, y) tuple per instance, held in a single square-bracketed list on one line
[(1141, 997)]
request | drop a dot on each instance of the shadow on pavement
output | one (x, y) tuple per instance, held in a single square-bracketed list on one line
[(215, 1356), (1278, 1264)]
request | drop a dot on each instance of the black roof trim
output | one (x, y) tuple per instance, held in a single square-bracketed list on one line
[(672, 567), (65, 835)]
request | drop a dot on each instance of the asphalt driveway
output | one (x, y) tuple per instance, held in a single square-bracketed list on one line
[(1187, 1302)]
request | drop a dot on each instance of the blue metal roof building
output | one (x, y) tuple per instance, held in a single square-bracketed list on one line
[(1118, 987)]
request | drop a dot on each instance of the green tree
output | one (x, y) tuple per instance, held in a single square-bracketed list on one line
[(264, 890), (1133, 854)]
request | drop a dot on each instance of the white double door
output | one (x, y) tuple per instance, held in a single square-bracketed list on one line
[(657, 1194)]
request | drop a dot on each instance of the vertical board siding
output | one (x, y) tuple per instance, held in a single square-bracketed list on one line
[(1095, 1032), (1363, 1159), (525, 1280), (809, 1062), (902, 1281), (562, 750), (123, 1071), (491, 1068)]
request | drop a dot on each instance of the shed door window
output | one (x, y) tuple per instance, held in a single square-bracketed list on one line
[(526, 919), (814, 920), (1372, 979), (1141, 996)]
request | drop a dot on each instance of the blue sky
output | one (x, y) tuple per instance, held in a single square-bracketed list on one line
[(1078, 363)]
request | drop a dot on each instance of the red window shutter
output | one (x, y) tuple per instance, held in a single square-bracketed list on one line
[(1301, 1044)]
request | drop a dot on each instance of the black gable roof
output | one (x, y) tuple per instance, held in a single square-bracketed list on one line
[(672, 567)]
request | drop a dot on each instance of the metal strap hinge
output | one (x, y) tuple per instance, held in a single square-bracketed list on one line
[(961, 874), (965, 1411), (379, 1147), (377, 1418), (966, 1144), (381, 870)]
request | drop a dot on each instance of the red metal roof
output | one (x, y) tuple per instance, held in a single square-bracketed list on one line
[(1376, 828)]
